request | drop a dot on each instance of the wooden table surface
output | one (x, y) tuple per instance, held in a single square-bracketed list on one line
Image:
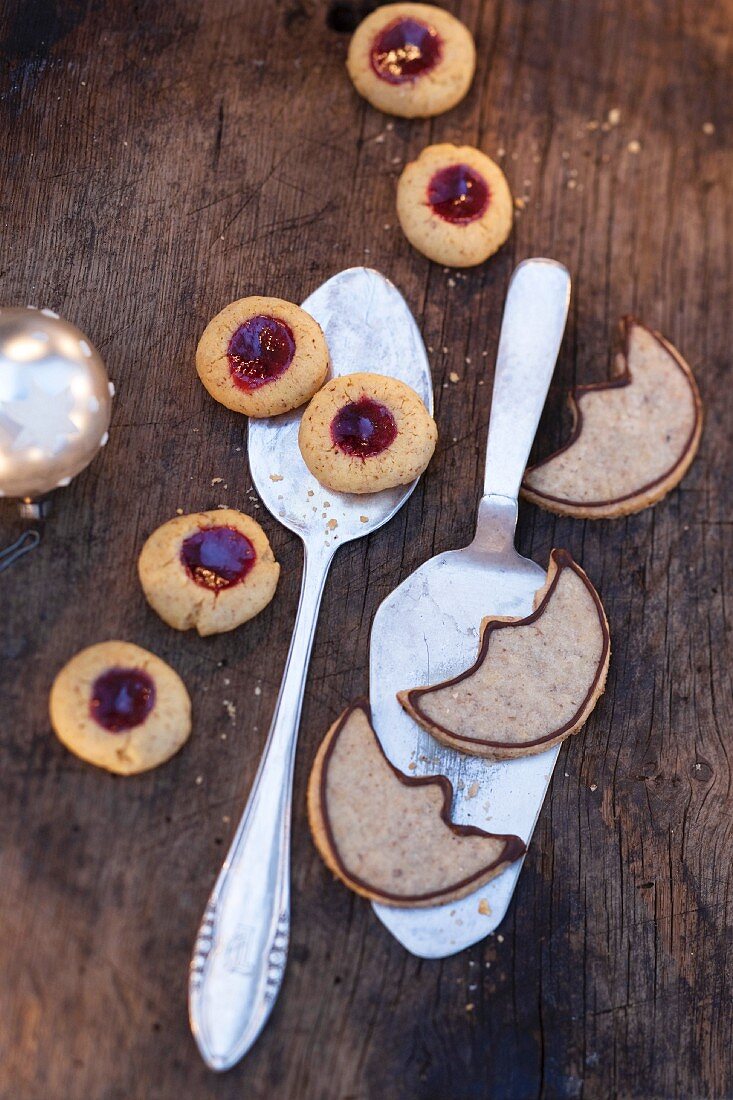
[(160, 160)]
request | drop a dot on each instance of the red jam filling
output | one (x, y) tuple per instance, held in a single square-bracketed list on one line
[(404, 50), (217, 557), (458, 193), (363, 428), (260, 351), (122, 698)]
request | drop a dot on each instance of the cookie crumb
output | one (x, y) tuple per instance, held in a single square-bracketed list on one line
[(592, 124), (179, 511), (230, 708), (451, 282), (199, 780), (332, 524), (216, 480), (412, 765), (454, 377), (276, 477), (572, 184), (473, 789), (484, 908), (258, 690), (614, 116), (594, 786), (500, 938), (519, 204), (364, 519), (708, 128), (634, 146)]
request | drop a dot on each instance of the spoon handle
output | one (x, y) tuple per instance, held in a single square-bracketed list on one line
[(241, 949), (531, 333)]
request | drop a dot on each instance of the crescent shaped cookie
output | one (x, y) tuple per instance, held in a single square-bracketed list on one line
[(633, 438), (535, 680), (388, 836)]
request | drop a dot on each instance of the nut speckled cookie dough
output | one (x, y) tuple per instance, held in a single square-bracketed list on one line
[(120, 707), (413, 60), (535, 680), (365, 432), (633, 438), (387, 835), (262, 356), (454, 205), (209, 570)]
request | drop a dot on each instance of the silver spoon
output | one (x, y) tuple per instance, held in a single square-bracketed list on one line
[(241, 950), (427, 629)]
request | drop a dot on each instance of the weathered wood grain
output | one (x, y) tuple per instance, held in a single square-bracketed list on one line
[(159, 160)]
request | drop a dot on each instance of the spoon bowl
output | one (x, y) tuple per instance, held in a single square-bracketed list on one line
[(368, 327)]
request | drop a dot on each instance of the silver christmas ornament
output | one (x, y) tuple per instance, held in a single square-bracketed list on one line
[(55, 402)]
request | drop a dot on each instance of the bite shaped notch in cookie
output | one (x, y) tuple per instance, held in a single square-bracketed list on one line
[(454, 205), (412, 60), (209, 570), (535, 681), (262, 356), (120, 707), (366, 432), (633, 438), (388, 836)]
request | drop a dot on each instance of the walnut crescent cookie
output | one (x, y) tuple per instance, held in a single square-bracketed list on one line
[(535, 680), (412, 60), (633, 437), (388, 836), (365, 432), (262, 356), (454, 205), (120, 707), (209, 570)]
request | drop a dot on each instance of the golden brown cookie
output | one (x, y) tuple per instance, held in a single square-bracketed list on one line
[(633, 438), (413, 60), (262, 356), (454, 205), (365, 432), (209, 570), (120, 707), (535, 680), (389, 836)]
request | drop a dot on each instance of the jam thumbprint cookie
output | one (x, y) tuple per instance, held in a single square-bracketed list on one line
[(363, 433), (210, 570), (454, 205), (412, 60), (120, 707), (262, 356)]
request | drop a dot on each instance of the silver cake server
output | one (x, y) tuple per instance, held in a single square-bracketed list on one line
[(239, 958), (427, 630)]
